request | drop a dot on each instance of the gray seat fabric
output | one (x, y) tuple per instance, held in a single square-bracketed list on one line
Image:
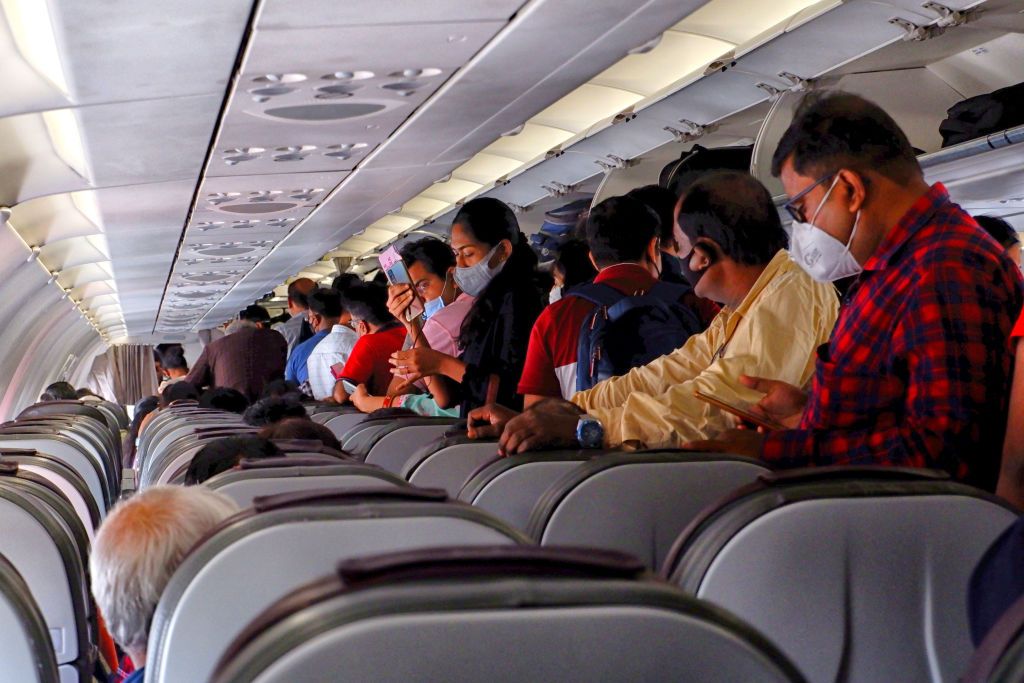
[(643, 500), (281, 546), (518, 625), (509, 488), (71, 454), (243, 485), (69, 482), (395, 448), (858, 576), (28, 653), (38, 542), (1000, 656), (341, 424), (451, 466)]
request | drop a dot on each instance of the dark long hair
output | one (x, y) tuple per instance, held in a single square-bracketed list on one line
[(490, 221)]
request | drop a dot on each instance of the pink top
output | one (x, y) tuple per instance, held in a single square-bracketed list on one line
[(443, 328)]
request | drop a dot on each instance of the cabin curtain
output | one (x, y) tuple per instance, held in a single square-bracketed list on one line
[(132, 372)]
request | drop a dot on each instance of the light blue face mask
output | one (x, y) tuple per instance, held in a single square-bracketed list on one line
[(434, 305), (474, 280)]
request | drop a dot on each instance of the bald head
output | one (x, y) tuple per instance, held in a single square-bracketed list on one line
[(298, 292), (138, 548)]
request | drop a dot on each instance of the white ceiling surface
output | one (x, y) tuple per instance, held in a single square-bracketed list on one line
[(145, 83), (442, 136)]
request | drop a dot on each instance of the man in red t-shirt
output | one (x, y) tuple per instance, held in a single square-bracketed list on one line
[(380, 335), (623, 236)]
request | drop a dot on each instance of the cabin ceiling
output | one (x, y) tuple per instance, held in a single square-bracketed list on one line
[(175, 161)]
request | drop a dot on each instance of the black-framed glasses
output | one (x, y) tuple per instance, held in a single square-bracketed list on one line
[(797, 212)]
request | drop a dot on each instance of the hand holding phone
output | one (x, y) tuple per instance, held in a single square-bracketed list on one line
[(397, 274), (742, 412)]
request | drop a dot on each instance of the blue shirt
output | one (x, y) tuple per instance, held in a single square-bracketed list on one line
[(137, 676), (296, 370)]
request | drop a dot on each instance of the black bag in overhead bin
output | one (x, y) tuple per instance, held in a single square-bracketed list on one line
[(677, 175), (983, 115)]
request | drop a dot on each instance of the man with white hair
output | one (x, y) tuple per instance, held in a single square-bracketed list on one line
[(138, 548)]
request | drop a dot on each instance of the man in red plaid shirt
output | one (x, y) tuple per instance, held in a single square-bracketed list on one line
[(917, 372)]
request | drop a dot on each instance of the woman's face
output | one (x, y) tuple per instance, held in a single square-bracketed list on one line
[(469, 251)]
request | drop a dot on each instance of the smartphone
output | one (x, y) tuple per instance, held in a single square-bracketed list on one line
[(397, 274), (742, 412), (349, 387)]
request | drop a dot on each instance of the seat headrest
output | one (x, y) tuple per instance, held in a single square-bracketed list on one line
[(47, 408), (350, 496)]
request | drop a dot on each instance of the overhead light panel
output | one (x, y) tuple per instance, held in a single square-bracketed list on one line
[(33, 30)]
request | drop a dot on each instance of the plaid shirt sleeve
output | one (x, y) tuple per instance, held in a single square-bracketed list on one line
[(924, 373)]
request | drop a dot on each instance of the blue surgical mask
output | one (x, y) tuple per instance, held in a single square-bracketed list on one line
[(433, 306), (474, 279)]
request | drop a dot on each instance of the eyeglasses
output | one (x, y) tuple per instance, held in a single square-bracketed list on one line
[(797, 212)]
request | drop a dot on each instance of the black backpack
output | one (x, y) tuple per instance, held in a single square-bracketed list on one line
[(983, 115), (627, 331)]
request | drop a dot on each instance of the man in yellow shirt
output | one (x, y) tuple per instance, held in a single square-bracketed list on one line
[(774, 316)]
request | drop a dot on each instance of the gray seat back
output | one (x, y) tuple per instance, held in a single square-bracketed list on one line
[(450, 466), (291, 540), (44, 550), (254, 479), (509, 488), (66, 480), (857, 575), (643, 500), (28, 652), (72, 455), (341, 424), (395, 448), (573, 621)]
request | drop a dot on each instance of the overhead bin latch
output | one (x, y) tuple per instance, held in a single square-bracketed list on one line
[(693, 130), (517, 209), (557, 189), (949, 17), (914, 33), (611, 162)]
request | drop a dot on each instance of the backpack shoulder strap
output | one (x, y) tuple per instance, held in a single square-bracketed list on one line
[(597, 293)]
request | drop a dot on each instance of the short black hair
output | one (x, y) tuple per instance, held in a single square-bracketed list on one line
[(326, 303), (224, 398), (296, 295), (835, 129), (273, 409), (736, 211), (280, 387), (172, 357), (254, 313), (662, 201), (344, 281), (293, 428), (573, 261), (84, 391), (368, 302), (619, 230), (178, 391), (59, 391), (436, 256), (221, 455), (1000, 230)]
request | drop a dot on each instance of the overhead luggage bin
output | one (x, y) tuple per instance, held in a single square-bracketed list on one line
[(275, 476), (859, 574), (643, 500), (292, 539), (28, 652), (498, 614)]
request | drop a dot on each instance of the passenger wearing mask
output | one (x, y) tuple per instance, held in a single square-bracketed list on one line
[(494, 264), (1002, 232), (571, 268), (431, 264), (917, 372), (380, 335), (623, 242), (773, 318), (332, 344), (297, 329), (663, 202), (175, 367), (246, 360)]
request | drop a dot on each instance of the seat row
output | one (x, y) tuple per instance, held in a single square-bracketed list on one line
[(59, 474), (853, 574)]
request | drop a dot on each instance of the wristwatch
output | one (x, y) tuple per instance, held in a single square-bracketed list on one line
[(590, 432)]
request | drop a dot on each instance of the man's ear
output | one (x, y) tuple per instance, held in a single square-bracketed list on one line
[(855, 187)]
